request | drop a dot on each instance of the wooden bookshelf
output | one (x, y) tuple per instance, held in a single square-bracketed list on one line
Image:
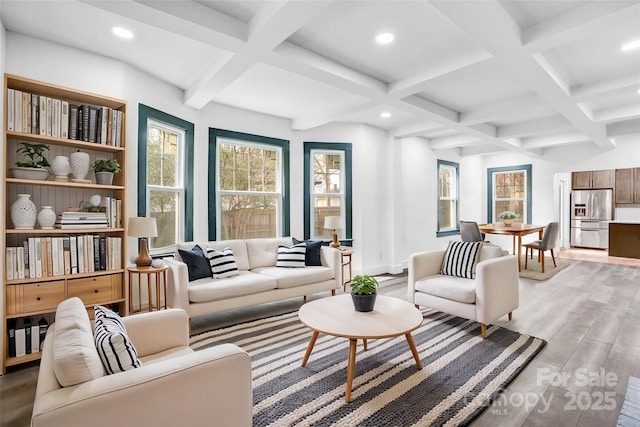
[(37, 297)]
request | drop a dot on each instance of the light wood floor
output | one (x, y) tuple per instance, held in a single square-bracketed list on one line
[(589, 325)]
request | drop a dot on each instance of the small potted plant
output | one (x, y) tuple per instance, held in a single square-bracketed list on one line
[(363, 292), (105, 169), (36, 164), (507, 217)]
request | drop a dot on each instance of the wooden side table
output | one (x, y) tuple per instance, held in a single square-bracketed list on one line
[(156, 275), (345, 260)]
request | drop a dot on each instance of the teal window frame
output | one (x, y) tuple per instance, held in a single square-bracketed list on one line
[(283, 144), (439, 232), (490, 190), (346, 149), (144, 114)]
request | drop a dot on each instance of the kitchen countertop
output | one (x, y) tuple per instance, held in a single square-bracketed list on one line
[(623, 221)]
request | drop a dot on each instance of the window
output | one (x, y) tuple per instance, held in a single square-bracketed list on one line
[(165, 180), (448, 173), (327, 189), (248, 182), (509, 189)]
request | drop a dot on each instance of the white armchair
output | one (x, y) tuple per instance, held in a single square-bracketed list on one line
[(492, 294), (175, 386)]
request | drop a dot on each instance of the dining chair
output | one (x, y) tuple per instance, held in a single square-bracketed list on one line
[(470, 232), (548, 242)]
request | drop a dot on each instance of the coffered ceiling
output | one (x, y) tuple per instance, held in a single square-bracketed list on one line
[(476, 76)]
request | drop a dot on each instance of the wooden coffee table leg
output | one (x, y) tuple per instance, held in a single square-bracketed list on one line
[(312, 342), (350, 368), (414, 350), (364, 344)]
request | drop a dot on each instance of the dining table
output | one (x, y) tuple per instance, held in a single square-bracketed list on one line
[(517, 230)]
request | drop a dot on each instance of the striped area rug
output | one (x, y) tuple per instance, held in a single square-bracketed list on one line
[(461, 372)]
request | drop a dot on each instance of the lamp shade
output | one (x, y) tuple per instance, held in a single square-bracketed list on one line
[(332, 222), (142, 227)]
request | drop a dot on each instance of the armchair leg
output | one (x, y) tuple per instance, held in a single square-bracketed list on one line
[(333, 292), (417, 306), (510, 315), (304, 298), (483, 330)]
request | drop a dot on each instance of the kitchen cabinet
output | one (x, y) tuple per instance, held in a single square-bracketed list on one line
[(627, 186), (624, 239), (593, 179)]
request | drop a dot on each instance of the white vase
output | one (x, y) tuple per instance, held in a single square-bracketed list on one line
[(23, 212), (61, 168), (79, 164), (46, 218)]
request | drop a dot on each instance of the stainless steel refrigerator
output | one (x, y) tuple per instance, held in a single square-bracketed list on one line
[(591, 211)]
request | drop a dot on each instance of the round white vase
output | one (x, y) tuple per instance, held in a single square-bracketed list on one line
[(46, 218), (23, 212), (61, 168), (80, 163)]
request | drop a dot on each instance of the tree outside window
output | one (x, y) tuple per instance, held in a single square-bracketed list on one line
[(327, 192), (509, 189)]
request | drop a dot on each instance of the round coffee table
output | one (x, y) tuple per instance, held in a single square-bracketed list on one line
[(336, 316)]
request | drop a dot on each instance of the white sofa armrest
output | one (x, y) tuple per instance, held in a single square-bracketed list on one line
[(497, 288), (423, 264), (330, 257), (194, 389), (158, 331), (177, 284)]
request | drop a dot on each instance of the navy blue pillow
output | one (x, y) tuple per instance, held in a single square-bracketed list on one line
[(197, 263), (312, 256)]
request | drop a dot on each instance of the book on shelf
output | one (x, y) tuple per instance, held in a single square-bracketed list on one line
[(43, 326), (31, 249), (66, 247), (104, 119), (11, 332), (64, 119), (20, 334), (56, 106), (42, 125), (73, 121), (21, 272), (8, 263), (27, 335), (11, 109), (25, 247), (93, 123), (17, 110), (26, 112), (49, 118), (53, 255), (35, 114), (38, 262), (80, 254), (73, 249), (35, 337)]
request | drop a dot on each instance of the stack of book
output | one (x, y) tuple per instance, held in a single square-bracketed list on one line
[(26, 336), (69, 220)]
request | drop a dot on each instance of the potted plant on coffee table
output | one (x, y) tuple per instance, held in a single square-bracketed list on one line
[(507, 217), (363, 292), (35, 165), (105, 169)]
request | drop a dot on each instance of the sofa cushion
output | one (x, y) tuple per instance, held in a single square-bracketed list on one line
[(246, 283), (264, 252), (312, 256), (114, 346), (239, 248), (75, 358), (448, 287), (489, 251), (197, 263), (292, 256), (460, 259), (292, 277), (223, 264)]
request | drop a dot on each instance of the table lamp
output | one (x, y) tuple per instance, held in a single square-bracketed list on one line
[(143, 227), (333, 223)]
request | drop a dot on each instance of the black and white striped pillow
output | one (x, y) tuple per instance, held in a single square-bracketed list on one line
[(223, 264), (460, 259), (292, 257), (114, 346)]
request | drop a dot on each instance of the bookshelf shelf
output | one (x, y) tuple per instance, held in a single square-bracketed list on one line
[(27, 296)]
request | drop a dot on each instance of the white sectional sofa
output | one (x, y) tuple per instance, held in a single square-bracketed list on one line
[(259, 281)]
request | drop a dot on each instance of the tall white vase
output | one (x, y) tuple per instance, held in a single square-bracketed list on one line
[(80, 163), (61, 168), (23, 212), (46, 218)]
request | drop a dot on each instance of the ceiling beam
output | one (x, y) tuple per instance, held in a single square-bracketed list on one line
[(625, 112), (628, 127), (530, 127), (416, 129), (605, 88)]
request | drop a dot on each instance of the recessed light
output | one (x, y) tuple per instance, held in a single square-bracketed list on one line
[(122, 32), (631, 45), (385, 114), (384, 38)]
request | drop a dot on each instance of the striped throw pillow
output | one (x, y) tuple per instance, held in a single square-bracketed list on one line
[(460, 259), (114, 346), (223, 264), (292, 257)]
